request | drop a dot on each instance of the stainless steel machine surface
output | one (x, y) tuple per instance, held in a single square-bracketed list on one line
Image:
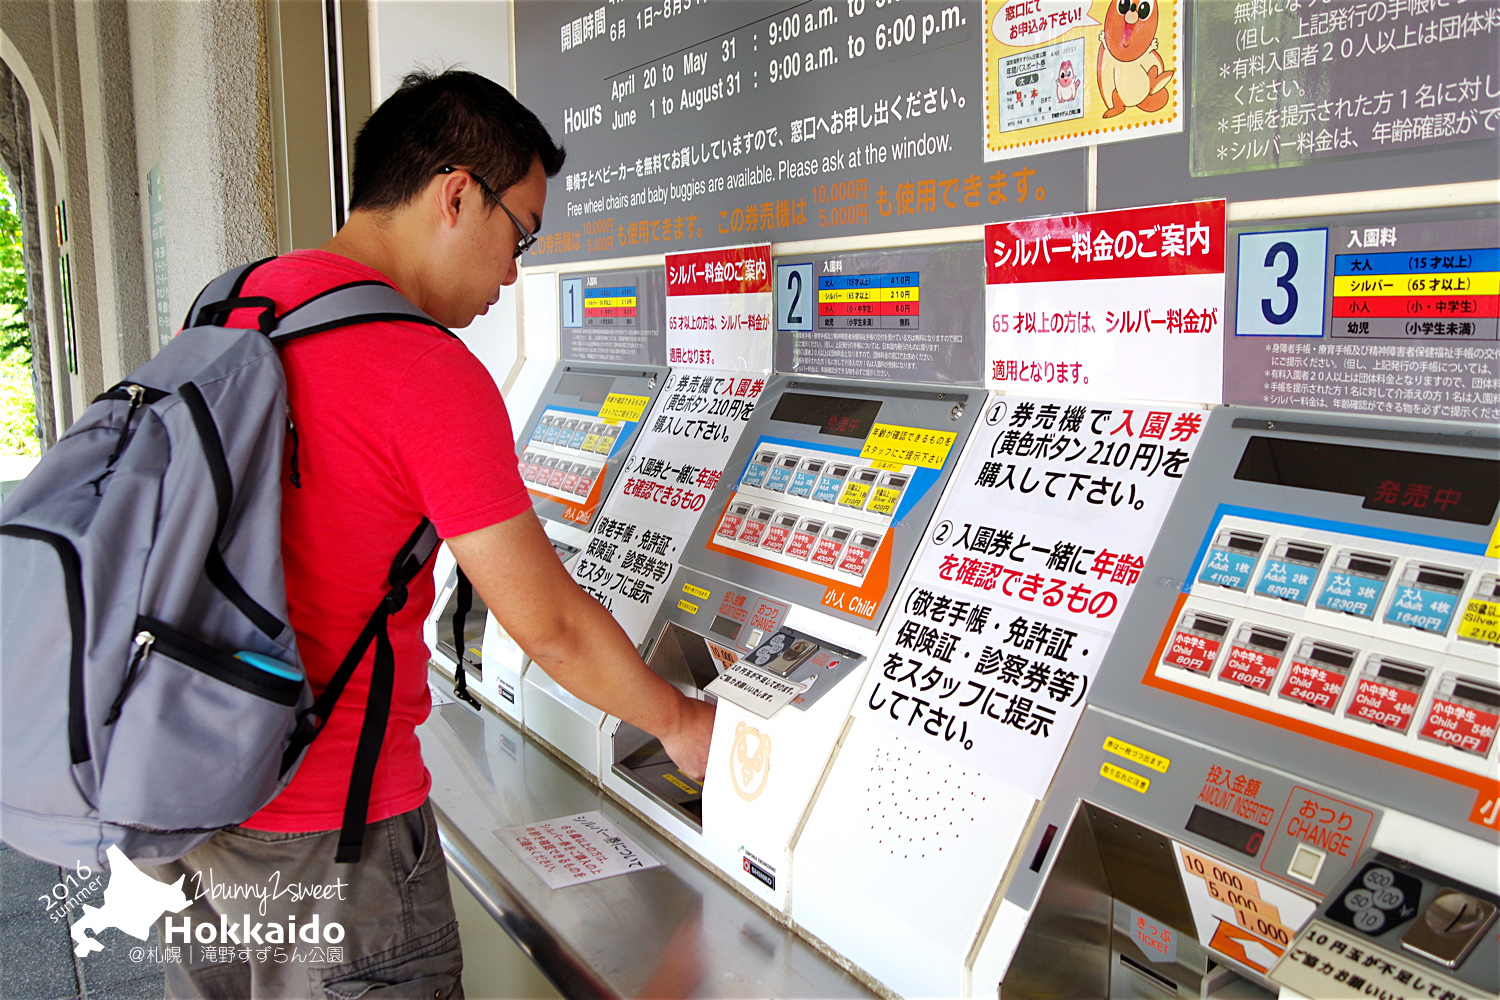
[(675, 931)]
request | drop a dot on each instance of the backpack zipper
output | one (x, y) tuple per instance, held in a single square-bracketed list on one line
[(143, 642), (291, 429), (137, 397)]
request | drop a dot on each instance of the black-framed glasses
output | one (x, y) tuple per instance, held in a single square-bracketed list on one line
[(528, 238)]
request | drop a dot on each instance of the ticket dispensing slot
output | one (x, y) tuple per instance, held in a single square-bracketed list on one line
[(685, 660)]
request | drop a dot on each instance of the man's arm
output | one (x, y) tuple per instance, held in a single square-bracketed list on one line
[(518, 576)]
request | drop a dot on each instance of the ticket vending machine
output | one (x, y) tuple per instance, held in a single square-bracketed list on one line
[(1286, 779), (775, 608), (571, 451)]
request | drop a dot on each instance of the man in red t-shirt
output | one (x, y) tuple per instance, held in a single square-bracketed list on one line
[(395, 422)]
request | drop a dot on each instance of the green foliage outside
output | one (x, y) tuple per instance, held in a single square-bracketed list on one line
[(17, 401)]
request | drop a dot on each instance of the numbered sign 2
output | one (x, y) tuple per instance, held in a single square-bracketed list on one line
[(796, 297), (1280, 283)]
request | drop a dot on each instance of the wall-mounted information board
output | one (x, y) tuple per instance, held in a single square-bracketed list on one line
[(911, 314), (614, 316), (691, 124)]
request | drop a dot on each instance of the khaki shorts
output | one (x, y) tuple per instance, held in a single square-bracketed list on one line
[(274, 918)]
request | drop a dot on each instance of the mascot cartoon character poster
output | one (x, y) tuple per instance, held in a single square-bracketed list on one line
[(1064, 73)]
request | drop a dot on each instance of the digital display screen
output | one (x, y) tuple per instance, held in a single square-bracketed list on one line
[(1225, 831), (1446, 487), (586, 388), (840, 416), (727, 627)]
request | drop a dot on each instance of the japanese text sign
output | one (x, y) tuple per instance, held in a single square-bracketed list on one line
[(1022, 579), (1124, 303), (575, 849), (719, 308), (662, 490)]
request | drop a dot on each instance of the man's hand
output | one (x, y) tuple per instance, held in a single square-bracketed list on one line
[(517, 574), (687, 743)]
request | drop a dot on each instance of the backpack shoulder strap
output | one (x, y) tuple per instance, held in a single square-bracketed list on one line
[(223, 294), (409, 560), (347, 305)]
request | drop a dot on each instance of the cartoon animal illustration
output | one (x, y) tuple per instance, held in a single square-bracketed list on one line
[(1067, 82), (1131, 72)]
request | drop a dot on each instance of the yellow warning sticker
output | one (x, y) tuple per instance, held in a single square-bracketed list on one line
[(702, 593), (909, 445), (688, 606), (1494, 550), (1129, 751), (887, 466), (1481, 622), (1123, 777), (619, 407)]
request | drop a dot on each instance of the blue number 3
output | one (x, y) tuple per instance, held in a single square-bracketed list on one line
[(1284, 283)]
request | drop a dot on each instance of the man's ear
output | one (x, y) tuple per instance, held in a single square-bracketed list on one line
[(445, 193)]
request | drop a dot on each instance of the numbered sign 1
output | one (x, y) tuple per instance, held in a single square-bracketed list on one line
[(1280, 284), (571, 304), (796, 297)]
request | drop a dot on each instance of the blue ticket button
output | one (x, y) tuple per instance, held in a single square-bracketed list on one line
[(1230, 561), (1290, 571), (827, 490), (806, 478), (781, 473), (1426, 597), (1355, 583), (755, 472)]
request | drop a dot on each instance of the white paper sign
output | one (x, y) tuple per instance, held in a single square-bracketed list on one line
[(1124, 303), (753, 690), (990, 649), (575, 849), (679, 456), (719, 309)]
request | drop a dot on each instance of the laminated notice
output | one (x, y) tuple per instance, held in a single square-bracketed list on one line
[(620, 408), (908, 445)]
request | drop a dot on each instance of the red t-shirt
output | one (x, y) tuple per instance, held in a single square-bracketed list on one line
[(395, 421)]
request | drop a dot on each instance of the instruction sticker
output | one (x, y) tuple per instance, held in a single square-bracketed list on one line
[(1129, 751), (908, 445), (620, 408), (1121, 776), (743, 685), (1237, 914)]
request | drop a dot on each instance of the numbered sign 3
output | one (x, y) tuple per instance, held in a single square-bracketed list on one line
[(1280, 284)]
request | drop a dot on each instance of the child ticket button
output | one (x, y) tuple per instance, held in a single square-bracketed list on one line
[(570, 477), (909, 445), (755, 472), (779, 532), (827, 490), (1426, 597), (621, 408), (858, 552), (826, 553), (755, 525), (1195, 644), (1290, 570), (1355, 583), (1465, 713), (806, 478), (733, 520), (804, 538), (1230, 561), (1481, 619), (781, 472), (1254, 657), (1387, 693), (1317, 674)]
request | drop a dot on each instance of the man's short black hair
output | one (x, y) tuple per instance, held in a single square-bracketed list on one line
[(455, 118)]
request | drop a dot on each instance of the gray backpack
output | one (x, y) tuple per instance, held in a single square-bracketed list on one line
[(150, 687)]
